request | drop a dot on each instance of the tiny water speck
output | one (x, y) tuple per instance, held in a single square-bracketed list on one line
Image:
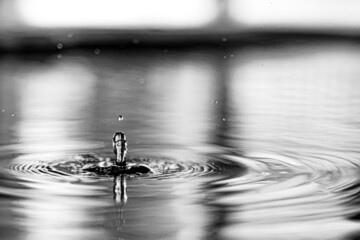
[(59, 46), (70, 35), (224, 39), (135, 41), (142, 80), (137, 141), (231, 55), (223, 119), (59, 55), (224, 57), (13, 114), (97, 51), (120, 118), (3, 110)]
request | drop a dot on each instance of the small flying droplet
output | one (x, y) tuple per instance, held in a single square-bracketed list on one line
[(70, 35), (137, 141), (231, 55), (224, 57), (3, 110), (13, 114), (216, 101), (97, 51), (120, 118), (59, 55), (18, 141), (224, 39), (223, 119), (142, 80), (59, 46)]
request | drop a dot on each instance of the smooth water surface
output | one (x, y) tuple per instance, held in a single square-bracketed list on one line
[(257, 142)]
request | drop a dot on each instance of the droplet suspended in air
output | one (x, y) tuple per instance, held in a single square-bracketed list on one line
[(3, 110), (59, 56), (224, 39), (13, 114), (59, 46), (120, 118), (142, 80), (18, 141), (97, 51), (70, 35), (223, 119), (137, 141)]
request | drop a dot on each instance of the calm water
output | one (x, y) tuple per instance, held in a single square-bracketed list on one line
[(245, 143)]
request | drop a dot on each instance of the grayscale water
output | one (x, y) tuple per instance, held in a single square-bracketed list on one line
[(256, 142)]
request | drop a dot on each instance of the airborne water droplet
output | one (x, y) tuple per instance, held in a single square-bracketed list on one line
[(120, 118), (59, 46), (224, 39), (223, 119), (3, 110), (13, 114), (142, 80), (59, 55), (97, 51)]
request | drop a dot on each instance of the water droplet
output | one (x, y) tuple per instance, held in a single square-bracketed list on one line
[(137, 141), (13, 114), (223, 119), (231, 55), (97, 51), (70, 35), (3, 110), (216, 101), (142, 80), (224, 57), (165, 51), (18, 141), (59, 46), (224, 39), (135, 41), (59, 55), (120, 118)]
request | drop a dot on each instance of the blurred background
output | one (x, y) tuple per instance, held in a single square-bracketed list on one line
[(28, 24)]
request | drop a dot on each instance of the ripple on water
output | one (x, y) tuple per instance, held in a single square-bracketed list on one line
[(267, 189), (76, 168)]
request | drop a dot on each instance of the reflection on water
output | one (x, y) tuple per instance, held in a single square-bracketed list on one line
[(259, 145)]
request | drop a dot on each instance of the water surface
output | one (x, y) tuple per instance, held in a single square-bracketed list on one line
[(257, 142)]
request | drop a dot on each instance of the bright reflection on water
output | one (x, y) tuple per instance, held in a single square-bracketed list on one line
[(262, 144)]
